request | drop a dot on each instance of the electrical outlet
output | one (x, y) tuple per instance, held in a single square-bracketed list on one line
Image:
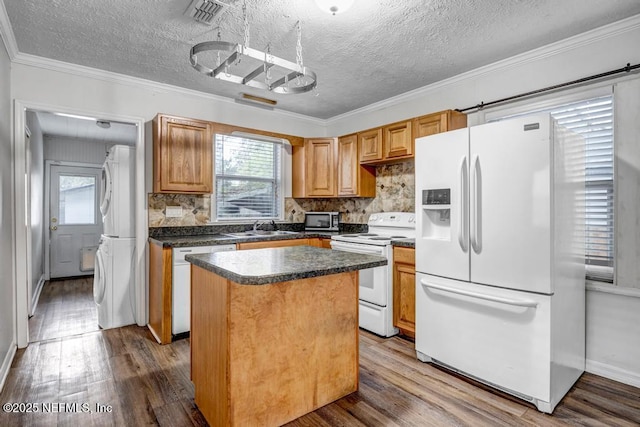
[(173, 211)]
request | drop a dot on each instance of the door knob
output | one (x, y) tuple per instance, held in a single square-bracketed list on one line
[(54, 227)]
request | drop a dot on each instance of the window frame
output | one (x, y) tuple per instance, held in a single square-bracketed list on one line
[(278, 178)]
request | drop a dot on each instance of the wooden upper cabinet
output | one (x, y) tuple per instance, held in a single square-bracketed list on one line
[(397, 140), (370, 145), (438, 122), (182, 158), (320, 167), (353, 179), (314, 168), (390, 143)]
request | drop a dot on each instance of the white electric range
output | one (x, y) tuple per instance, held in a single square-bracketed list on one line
[(376, 284)]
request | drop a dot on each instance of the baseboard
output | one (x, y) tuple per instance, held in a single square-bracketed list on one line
[(613, 373), (36, 295), (6, 364)]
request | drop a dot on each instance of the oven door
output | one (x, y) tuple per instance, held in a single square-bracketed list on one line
[(374, 282)]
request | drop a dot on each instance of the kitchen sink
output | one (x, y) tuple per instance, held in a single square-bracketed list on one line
[(260, 233)]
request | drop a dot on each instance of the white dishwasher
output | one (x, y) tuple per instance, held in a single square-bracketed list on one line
[(181, 285)]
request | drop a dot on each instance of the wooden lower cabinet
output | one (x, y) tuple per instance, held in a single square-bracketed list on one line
[(404, 290), (265, 355), (160, 292), (273, 244)]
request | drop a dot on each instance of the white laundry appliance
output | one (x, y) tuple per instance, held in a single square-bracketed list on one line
[(375, 290), (114, 274), (113, 282), (117, 195), (500, 274)]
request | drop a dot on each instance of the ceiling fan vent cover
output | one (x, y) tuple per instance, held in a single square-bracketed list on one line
[(204, 11)]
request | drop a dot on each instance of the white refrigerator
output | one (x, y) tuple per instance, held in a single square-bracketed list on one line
[(500, 275)]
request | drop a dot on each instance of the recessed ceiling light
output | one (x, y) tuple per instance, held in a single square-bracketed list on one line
[(334, 6)]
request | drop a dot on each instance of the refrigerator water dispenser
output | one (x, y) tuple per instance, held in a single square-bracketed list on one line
[(436, 214)]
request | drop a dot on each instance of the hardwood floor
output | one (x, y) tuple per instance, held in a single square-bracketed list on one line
[(148, 384), (65, 308)]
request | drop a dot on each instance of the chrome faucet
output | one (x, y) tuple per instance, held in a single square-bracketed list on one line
[(258, 224)]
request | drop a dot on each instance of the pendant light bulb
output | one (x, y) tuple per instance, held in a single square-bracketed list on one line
[(334, 6)]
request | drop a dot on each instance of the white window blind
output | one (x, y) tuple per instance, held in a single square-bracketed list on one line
[(247, 178), (593, 119)]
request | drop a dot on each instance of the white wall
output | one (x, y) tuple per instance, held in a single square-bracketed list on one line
[(37, 205), (7, 318), (93, 90), (75, 150)]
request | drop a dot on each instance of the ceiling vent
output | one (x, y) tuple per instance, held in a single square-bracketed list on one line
[(204, 11)]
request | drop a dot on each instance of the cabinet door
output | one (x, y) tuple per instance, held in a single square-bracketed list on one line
[(370, 145), (398, 140), (443, 121), (320, 167), (354, 179), (183, 155), (429, 125), (404, 290)]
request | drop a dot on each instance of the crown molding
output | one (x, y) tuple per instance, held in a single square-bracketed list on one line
[(6, 33), (607, 31), (111, 77)]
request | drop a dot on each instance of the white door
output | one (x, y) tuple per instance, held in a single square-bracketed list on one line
[(510, 208), (75, 223), (442, 224)]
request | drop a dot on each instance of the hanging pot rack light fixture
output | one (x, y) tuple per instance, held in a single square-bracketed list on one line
[(241, 64)]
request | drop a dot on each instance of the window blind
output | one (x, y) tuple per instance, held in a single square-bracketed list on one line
[(247, 178), (593, 119)]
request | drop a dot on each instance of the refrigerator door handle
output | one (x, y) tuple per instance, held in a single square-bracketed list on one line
[(463, 238), (476, 206), (478, 295)]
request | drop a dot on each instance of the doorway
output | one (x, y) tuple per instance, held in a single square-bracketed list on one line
[(72, 186)]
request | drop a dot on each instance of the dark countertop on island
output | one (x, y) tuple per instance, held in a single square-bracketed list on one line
[(272, 265)]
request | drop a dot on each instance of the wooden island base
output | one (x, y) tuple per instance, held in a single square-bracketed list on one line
[(263, 355)]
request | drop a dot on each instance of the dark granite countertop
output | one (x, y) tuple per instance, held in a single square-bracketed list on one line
[(405, 243), (221, 239), (272, 265)]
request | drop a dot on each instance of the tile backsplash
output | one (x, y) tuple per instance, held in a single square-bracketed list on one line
[(395, 186)]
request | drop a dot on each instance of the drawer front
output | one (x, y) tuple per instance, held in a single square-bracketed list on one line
[(497, 335), (405, 255)]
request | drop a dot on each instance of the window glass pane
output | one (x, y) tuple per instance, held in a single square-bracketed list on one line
[(77, 200), (247, 178), (593, 119)]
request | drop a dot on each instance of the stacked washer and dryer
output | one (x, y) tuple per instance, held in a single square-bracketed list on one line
[(114, 274)]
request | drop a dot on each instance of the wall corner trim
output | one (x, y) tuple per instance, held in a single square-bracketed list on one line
[(6, 33), (6, 363), (36, 295)]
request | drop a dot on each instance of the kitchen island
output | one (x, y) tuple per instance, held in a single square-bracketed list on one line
[(274, 332)]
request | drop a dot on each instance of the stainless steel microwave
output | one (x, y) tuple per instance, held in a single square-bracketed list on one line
[(321, 221)]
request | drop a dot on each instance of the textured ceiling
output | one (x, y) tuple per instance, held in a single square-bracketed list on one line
[(374, 51)]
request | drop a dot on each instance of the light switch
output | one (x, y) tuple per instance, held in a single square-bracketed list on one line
[(173, 211)]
